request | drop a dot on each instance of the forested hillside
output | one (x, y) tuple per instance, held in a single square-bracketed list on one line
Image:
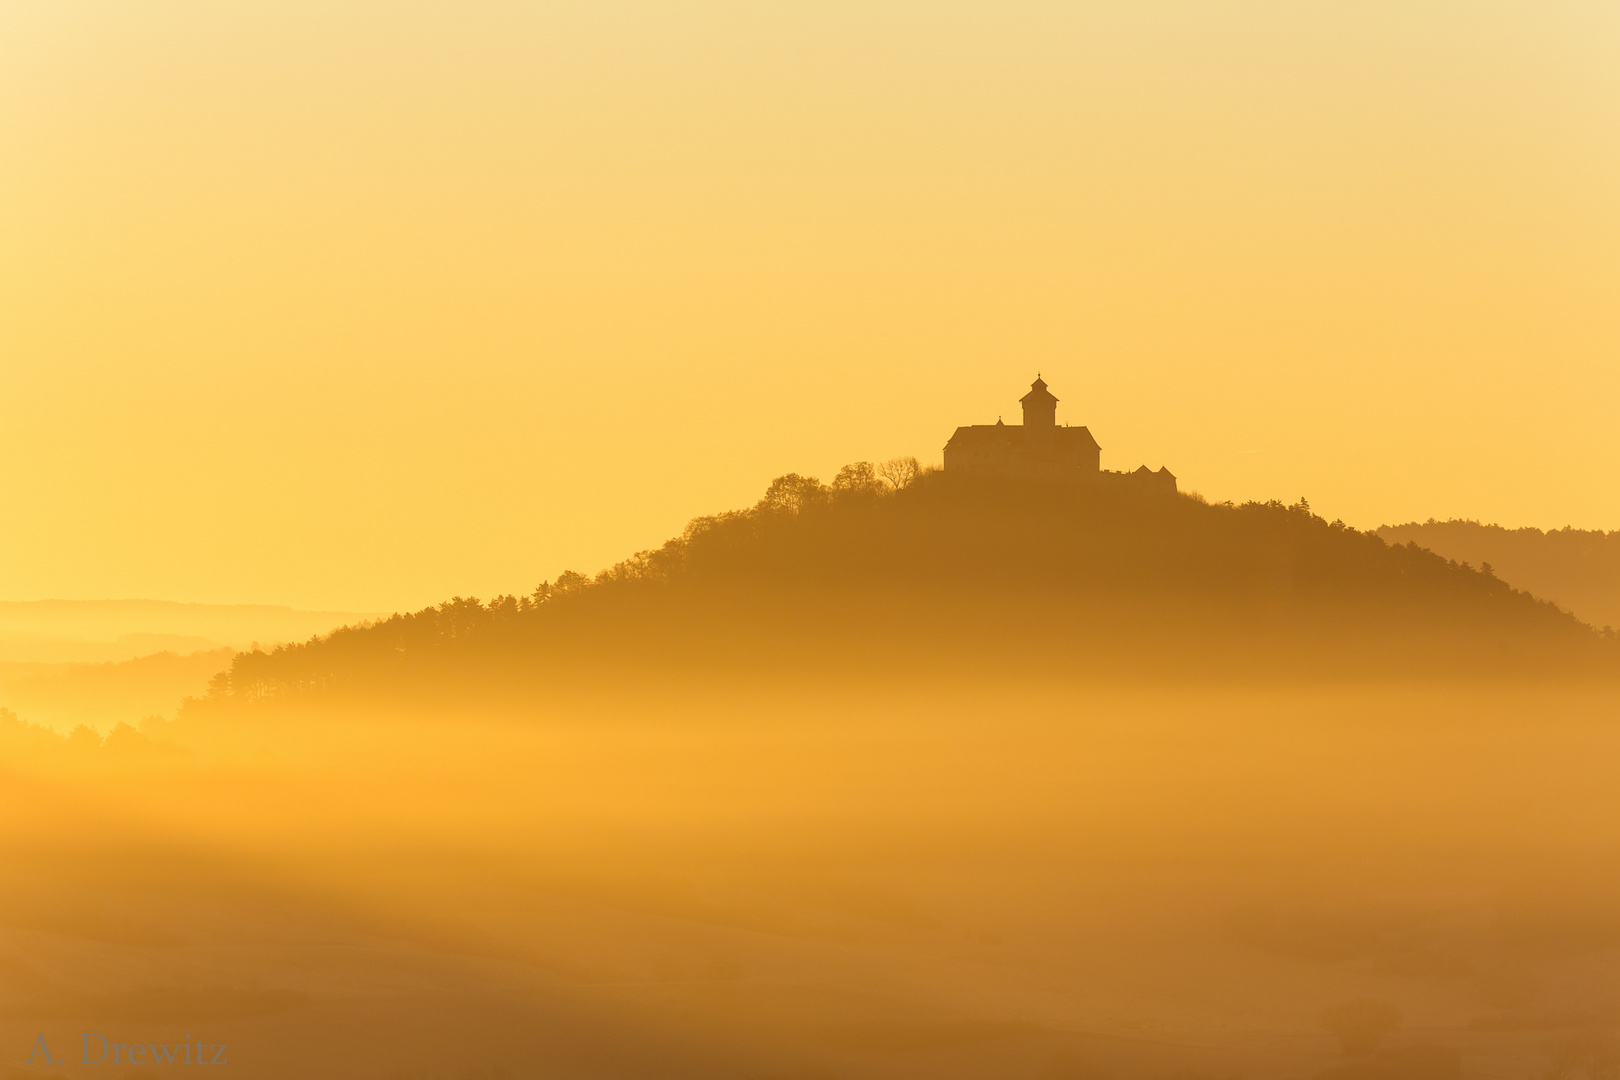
[(941, 574)]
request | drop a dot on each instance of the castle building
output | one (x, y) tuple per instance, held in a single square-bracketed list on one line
[(1040, 449)]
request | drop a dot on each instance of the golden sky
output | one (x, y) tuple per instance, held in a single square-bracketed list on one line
[(361, 305)]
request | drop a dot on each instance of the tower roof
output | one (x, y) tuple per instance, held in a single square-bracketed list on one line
[(1037, 393)]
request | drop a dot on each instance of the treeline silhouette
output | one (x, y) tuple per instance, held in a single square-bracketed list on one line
[(1578, 569), (927, 572)]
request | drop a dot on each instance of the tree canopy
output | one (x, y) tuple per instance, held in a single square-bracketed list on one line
[(950, 570)]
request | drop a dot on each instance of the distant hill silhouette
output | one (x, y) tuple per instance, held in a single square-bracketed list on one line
[(100, 631), (951, 574), (1577, 569), (64, 695)]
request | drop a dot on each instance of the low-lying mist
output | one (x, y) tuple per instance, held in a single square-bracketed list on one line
[(840, 879)]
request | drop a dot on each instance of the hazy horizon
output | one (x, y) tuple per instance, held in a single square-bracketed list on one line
[(718, 540)]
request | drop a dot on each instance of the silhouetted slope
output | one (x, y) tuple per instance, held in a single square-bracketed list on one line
[(952, 574), (1577, 569)]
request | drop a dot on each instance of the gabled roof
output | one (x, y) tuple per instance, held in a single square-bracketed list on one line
[(1013, 435), (1008, 434), (1077, 436)]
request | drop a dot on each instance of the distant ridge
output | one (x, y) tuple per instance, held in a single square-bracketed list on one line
[(1578, 569), (64, 631), (952, 574)]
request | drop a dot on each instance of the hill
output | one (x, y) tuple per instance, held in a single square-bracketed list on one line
[(1578, 569), (946, 574)]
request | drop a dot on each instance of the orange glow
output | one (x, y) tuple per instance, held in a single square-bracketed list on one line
[(871, 540), (360, 306)]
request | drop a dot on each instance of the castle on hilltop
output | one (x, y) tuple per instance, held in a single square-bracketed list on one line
[(1041, 450)]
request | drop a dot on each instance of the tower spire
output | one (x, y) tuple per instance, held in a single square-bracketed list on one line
[(1040, 415)]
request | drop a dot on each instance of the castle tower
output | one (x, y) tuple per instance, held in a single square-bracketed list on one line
[(1040, 417)]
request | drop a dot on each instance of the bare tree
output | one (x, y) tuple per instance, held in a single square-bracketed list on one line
[(792, 494), (856, 479), (900, 472)]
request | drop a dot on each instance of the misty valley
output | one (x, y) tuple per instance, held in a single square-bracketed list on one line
[(941, 779)]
